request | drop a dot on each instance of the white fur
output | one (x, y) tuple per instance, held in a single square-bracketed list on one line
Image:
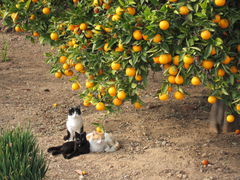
[(74, 124), (105, 144)]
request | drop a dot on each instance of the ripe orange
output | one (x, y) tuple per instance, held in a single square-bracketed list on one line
[(121, 95), (138, 77), (207, 64), (195, 81), (227, 60), (238, 107), (169, 89), (213, 52), (68, 72), (217, 18), (166, 66), (75, 1), (115, 66), (62, 59), (212, 99), (100, 106), (172, 0), (89, 84), (137, 48), (137, 105), (88, 34), (131, 10), (183, 10), (234, 69), (137, 34), (117, 102), (119, 48), (86, 102), (220, 72), (106, 48), (223, 23), (35, 34), (46, 10), (83, 26), (179, 79), (163, 97), (178, 95), (79, 67), (54, 36), (220, 2), (163, 59), (18, 29), (176, 60), (34, 1), (75, 86), (32, 17), (157, 38), (119, 11), (171, 79), (58, 74), (71, 27), (173, 70), (169, 58), (206, 35), (237, 131), (164, 25), (97, 2), (205, 162), (130, 71), (187, 59), (116, 17), (156, 59), (112, 91), (145, 37), (238, 48), (186, 66), (65, 66), (230, 118)]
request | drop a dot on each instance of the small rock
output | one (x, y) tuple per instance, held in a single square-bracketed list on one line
[(184, 176), (164, 143), (204, 155), (179, 176), (169, 174)]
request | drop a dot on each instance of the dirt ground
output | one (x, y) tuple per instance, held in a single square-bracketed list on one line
[(163, 140)]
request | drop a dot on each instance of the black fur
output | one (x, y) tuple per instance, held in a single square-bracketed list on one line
[(72, 148)]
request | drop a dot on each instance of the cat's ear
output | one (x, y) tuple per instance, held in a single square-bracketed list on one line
[(78, 110), (70, 111)]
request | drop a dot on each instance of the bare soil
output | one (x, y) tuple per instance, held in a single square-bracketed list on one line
[(163, 140)]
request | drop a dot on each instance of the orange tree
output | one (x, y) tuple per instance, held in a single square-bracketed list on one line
[(115, 43)]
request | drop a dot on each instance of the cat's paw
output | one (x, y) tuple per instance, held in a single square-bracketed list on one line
[(67, 156)]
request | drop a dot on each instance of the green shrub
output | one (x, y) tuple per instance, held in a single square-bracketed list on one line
[(20, 157)]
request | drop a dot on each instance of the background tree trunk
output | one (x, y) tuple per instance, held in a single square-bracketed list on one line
[(217, 119)]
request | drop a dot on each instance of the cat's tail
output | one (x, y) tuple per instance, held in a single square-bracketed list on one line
[(55, 150)]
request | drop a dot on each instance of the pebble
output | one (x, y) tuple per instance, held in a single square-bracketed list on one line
[(164, 143)]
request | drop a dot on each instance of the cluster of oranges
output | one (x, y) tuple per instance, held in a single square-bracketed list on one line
[(115, 44)]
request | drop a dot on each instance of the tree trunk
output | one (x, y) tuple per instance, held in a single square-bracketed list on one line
[(217, 117)]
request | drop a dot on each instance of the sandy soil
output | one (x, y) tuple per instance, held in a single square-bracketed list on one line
[(163, 140)]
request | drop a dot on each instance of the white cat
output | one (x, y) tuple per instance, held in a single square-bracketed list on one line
[(102, 142), (74, 123)]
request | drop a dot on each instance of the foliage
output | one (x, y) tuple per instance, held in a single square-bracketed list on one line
[(123, 40), (20, 156)]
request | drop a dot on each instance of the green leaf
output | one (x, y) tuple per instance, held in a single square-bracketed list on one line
[(207, 51)]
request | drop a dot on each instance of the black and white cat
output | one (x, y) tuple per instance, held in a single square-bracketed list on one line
[(72, 148), (74, 123)]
